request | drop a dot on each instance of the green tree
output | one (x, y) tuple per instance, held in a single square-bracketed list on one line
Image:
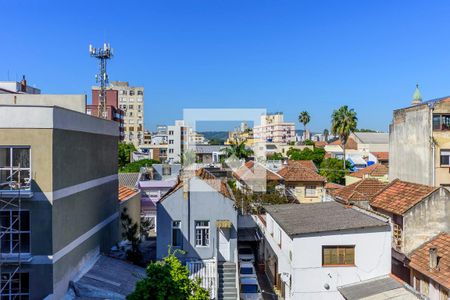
[(304, 118), (315, 155), (136, 166), (124, 152), (275, 156), (130, 233), (343, 123), (326, 133), (168, 280), (308, 143), (252, 202), (237, 149), (333, 170)]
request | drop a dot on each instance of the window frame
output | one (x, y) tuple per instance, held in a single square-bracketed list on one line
[(12, 169), (337, 247), (309, 188), (8, 293), (204, 231), (10, 232), (448, 157), (176, 227)]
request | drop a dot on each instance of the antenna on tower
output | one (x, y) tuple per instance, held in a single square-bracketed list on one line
[(102, 54)]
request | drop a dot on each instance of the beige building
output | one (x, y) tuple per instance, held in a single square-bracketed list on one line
[(273, 129), (131, 101), (419, 142)]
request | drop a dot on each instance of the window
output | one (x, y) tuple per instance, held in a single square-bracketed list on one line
[(170, 132), (131, 100), (397, 237), (170, 150), (338, 255), (279, 238), (15, 286), (130, 106), (166, 170), (441, 122), (176, 234), (131, 92), (445, 157), (171, 142), (15, 167), (310, 191), (123, 92), (15, 231), (140, 93), (201, 233)]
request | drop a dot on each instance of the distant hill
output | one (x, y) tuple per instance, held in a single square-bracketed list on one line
[(220, 136)]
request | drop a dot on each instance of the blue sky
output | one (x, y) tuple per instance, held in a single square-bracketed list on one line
[(281, 55)]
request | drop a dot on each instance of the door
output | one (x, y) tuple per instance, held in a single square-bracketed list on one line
[(224, 244)]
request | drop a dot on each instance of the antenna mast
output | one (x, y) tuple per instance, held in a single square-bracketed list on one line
[(102, 54)]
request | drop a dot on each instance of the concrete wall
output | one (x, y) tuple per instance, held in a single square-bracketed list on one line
[(204, 204), (72, 102), (426, 219), (410, 156), (132, 207)]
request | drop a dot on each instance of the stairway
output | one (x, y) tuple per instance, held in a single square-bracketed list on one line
[(227, 281)]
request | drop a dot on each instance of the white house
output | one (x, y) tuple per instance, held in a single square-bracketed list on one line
[(312, 249)]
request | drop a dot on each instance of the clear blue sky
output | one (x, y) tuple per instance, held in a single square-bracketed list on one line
[(281, 55)]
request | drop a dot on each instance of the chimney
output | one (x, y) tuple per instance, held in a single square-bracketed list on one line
[(433, 258), (23, 84)]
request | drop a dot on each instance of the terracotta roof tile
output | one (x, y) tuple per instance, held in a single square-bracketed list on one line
[(253, 170), (362, 190), (125, 193), (320, 144), (375, 170), (305, 163), (298, 172), (383, 156), (420, 259), (333, 186), (399, 196), (351, 144)]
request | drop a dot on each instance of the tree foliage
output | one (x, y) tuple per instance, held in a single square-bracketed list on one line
[(308, 143), (275, 156), (304, 118), (252, 202), (333, 170), (124, 153), (343, 122), (131, 233), (315, 155), (168, 280), (238, 149), (135, 166)]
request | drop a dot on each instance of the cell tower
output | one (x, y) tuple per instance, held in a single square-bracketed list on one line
[(102, 54)]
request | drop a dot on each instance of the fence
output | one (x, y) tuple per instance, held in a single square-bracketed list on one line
[(206, 270)]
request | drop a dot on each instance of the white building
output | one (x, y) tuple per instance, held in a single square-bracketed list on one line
[(178, 141), (274, 129), (312, 249)]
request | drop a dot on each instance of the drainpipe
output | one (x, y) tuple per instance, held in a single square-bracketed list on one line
[(433, 146)]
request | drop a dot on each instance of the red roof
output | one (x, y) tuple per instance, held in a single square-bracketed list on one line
[(320, 144), (381, 156), (399, 196), (126, 193), (420, 259), (333, 186), (298, 171), (362, 190), (351, 144), (375, 170), (251, 170)]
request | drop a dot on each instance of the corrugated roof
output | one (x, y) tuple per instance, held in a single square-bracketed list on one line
[(373, 137), (420, 259), (300, 219), (399, 196)]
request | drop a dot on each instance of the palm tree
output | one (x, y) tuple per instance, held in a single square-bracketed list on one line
[(326, 133), (237, 149), (304, 118), (343, 122)]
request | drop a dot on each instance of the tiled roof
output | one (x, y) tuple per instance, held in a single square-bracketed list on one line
[(320, 144), (375, 170), (333, 186), (383, 156), (253, 170), (399, 196), (125, 193), (305, 163), (298, 172), (420, 259), (362, 190), (299, 219), (351, 144)]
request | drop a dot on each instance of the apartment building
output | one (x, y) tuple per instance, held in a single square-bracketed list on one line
[(14, 87), (58, 193), (113, 112), (178, 141), (273, 129), (131, 101), (419, 142)]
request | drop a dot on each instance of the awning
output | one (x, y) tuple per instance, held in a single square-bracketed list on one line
[(223, 224), (251, 234)]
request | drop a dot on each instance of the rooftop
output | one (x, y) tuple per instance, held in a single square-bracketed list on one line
[(351, 144), (381, 156), (375, 170), (373, 137), (252, 170), (126, 193), (302, 219), (128, 179), (399, 196), (298, 171), (420, 259), (362, 190)]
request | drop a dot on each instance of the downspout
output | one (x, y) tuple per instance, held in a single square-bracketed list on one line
[(433, 146)]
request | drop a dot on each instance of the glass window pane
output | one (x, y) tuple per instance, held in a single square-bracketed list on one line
[(436, 122), (21, 157), (5, 159), (4, 179)]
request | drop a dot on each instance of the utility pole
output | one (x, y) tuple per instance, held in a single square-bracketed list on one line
[(102, 54)]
